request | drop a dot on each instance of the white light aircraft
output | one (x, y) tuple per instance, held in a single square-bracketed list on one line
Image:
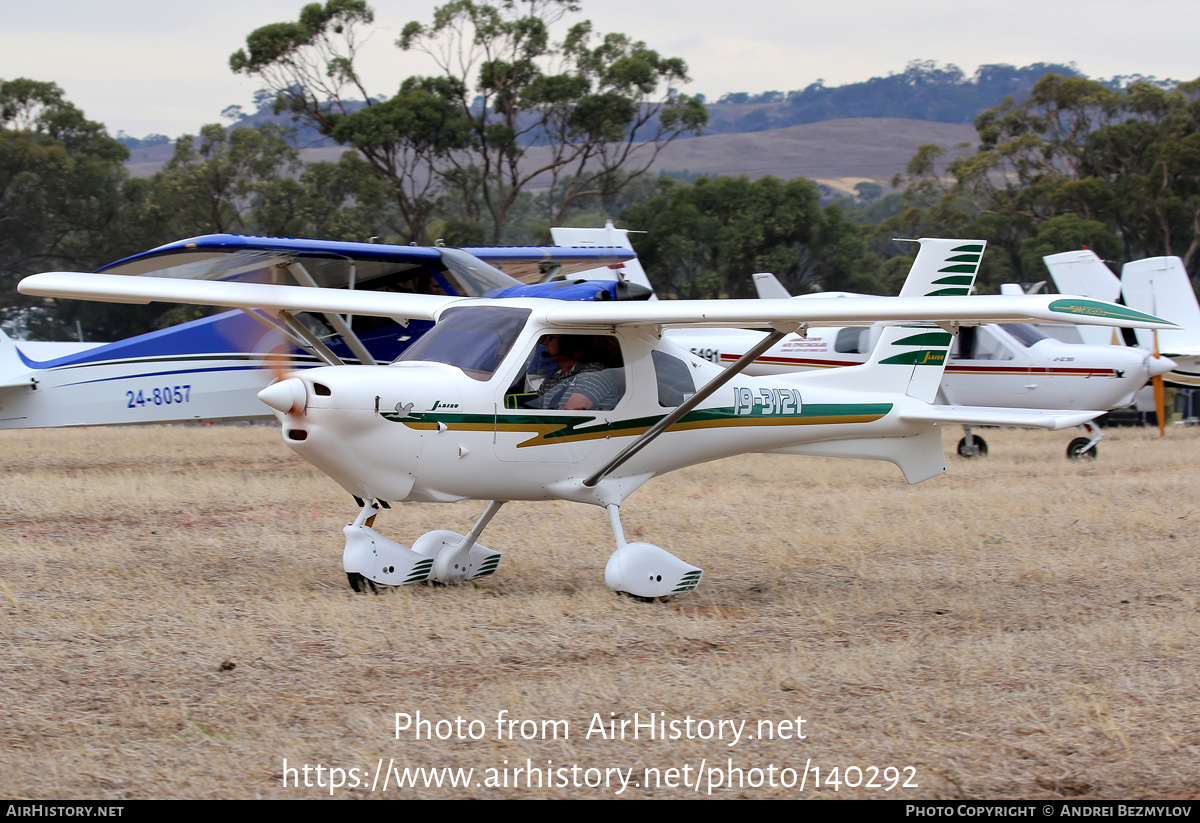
[(460, 414), (1013, 365), (1159, 282)]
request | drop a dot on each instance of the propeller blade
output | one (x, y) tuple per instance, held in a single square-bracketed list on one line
[(278, 363), (1160, 394)]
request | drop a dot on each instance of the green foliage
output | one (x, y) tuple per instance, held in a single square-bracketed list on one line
[(213, 181), (62, 204), (705, 240), (597, 108), (1075, 163), (1065, 233)]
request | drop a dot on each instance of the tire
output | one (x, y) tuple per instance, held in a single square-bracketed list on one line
[(1075, 450), (361, 584), (967, 451)]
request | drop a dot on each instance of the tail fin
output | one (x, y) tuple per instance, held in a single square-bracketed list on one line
[(768, 286), (1083, 273), (630, 271), (911, 358), (1161, 284)]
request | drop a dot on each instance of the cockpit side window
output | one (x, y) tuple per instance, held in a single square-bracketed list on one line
[(675, 383), (853, 341), (1026, 333), (572, 372), (978, 343), (475, 339)]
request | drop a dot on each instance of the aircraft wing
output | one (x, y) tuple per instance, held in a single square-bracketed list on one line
[(781, 313), (115, 288), (1055, 420), (341, 264), (785, 314)]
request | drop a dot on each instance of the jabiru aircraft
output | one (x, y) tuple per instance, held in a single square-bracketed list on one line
[(535, 399)]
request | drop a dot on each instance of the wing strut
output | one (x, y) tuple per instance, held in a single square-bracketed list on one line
[(686, 406), (339, 325), (313, 342), (276, 327)]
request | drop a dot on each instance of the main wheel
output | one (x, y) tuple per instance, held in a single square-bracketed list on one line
[(1075, 450), (968, 449), (361, 584)]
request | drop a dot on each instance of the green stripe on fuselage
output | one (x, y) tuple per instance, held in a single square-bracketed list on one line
[(549, 429)]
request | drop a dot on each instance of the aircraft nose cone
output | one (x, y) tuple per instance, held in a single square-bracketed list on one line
[(632, 291), (284, 396), (1159, 365)]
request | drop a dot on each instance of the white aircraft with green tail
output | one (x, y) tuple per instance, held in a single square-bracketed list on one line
[(459, 414)]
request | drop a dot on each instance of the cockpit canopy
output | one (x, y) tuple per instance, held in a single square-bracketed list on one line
[(475, 339)]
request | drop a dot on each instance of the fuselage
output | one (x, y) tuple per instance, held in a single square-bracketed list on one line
[(435, 431), (1015, 367)]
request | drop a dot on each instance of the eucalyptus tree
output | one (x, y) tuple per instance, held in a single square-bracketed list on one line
[(509, 106)]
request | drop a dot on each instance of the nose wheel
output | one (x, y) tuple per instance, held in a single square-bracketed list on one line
[(1084, 448), (1081, 448), (360, 584)]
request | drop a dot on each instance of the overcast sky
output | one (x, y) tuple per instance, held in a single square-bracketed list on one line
[(163, 67)]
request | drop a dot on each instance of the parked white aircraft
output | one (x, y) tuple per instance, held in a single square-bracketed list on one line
[(1014, 365), (1160, 282), (461, 414)]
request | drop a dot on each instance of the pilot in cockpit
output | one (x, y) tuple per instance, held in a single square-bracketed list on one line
[(583, 380)]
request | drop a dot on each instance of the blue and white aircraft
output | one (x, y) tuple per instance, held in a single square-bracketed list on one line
[(213, 368)]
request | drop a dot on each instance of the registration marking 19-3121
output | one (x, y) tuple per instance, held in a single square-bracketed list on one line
[(766, 401)]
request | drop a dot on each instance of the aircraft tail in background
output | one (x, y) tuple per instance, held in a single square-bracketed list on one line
[(1085, 274), (911, 358), (1162, 282), (1156, 283), (13, 371), (630, 271)]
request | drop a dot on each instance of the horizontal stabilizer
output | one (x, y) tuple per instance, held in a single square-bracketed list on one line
[(1054, 419)]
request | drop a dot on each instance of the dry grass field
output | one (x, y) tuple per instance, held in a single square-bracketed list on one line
[(175, 623)]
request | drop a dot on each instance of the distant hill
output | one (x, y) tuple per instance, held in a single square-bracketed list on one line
[(872, 128), (923, 91), (838, 153)]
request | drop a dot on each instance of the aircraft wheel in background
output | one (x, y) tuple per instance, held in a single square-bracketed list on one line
[(1075, 450), (977, 449)]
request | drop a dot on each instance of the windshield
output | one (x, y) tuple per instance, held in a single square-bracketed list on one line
[(471, 276), (475, 339)]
